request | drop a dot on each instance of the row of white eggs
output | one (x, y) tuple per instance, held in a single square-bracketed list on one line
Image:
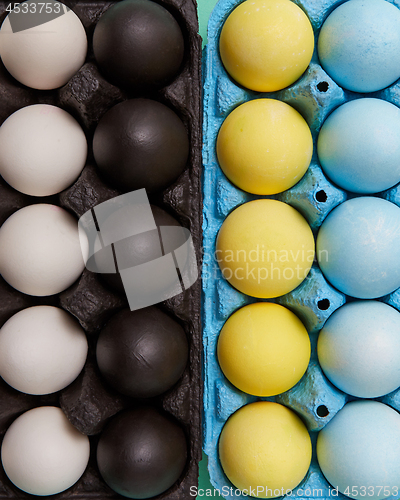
[(42, 349)]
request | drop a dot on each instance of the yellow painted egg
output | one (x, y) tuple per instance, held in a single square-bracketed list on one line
[(264, 349), (264, 146), (266, 45), (265, 248), (265, 449)]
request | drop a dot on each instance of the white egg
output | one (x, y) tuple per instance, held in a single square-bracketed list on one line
[(43, 150), (40, 250), (42, 350), (42, 453), (44, 56)]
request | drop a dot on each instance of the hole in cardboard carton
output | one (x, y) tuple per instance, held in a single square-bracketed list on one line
[(322, 411), (323, 86), (323, 304), (321, 196)]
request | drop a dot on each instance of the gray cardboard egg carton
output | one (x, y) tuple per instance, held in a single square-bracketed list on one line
[(88, 402), (315, 95)]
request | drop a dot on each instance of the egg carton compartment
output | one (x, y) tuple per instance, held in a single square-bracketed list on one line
[(89, 402), (315, 95)]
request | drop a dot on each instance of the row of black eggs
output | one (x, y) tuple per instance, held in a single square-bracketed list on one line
[(138, 45)]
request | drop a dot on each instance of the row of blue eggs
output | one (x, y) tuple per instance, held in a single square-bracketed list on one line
[(358, 248), (358, 245)]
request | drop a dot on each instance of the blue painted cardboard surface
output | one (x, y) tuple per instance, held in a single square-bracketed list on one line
[(314, 398)]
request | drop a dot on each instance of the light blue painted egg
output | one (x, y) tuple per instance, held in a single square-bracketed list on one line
[(359, 349), (359, 145), (358, 247), (359, 45), (359, 450)]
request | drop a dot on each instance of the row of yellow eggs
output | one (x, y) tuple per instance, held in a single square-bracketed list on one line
[(266, 45), (265, 146), (265, 450)]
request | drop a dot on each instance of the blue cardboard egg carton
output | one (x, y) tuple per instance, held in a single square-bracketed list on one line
[(315, 95)]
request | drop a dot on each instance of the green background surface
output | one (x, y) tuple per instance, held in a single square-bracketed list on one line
[(204, 480), (205, 7)]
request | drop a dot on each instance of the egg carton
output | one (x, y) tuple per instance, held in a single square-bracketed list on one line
[(315, 95), (88, 402)]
